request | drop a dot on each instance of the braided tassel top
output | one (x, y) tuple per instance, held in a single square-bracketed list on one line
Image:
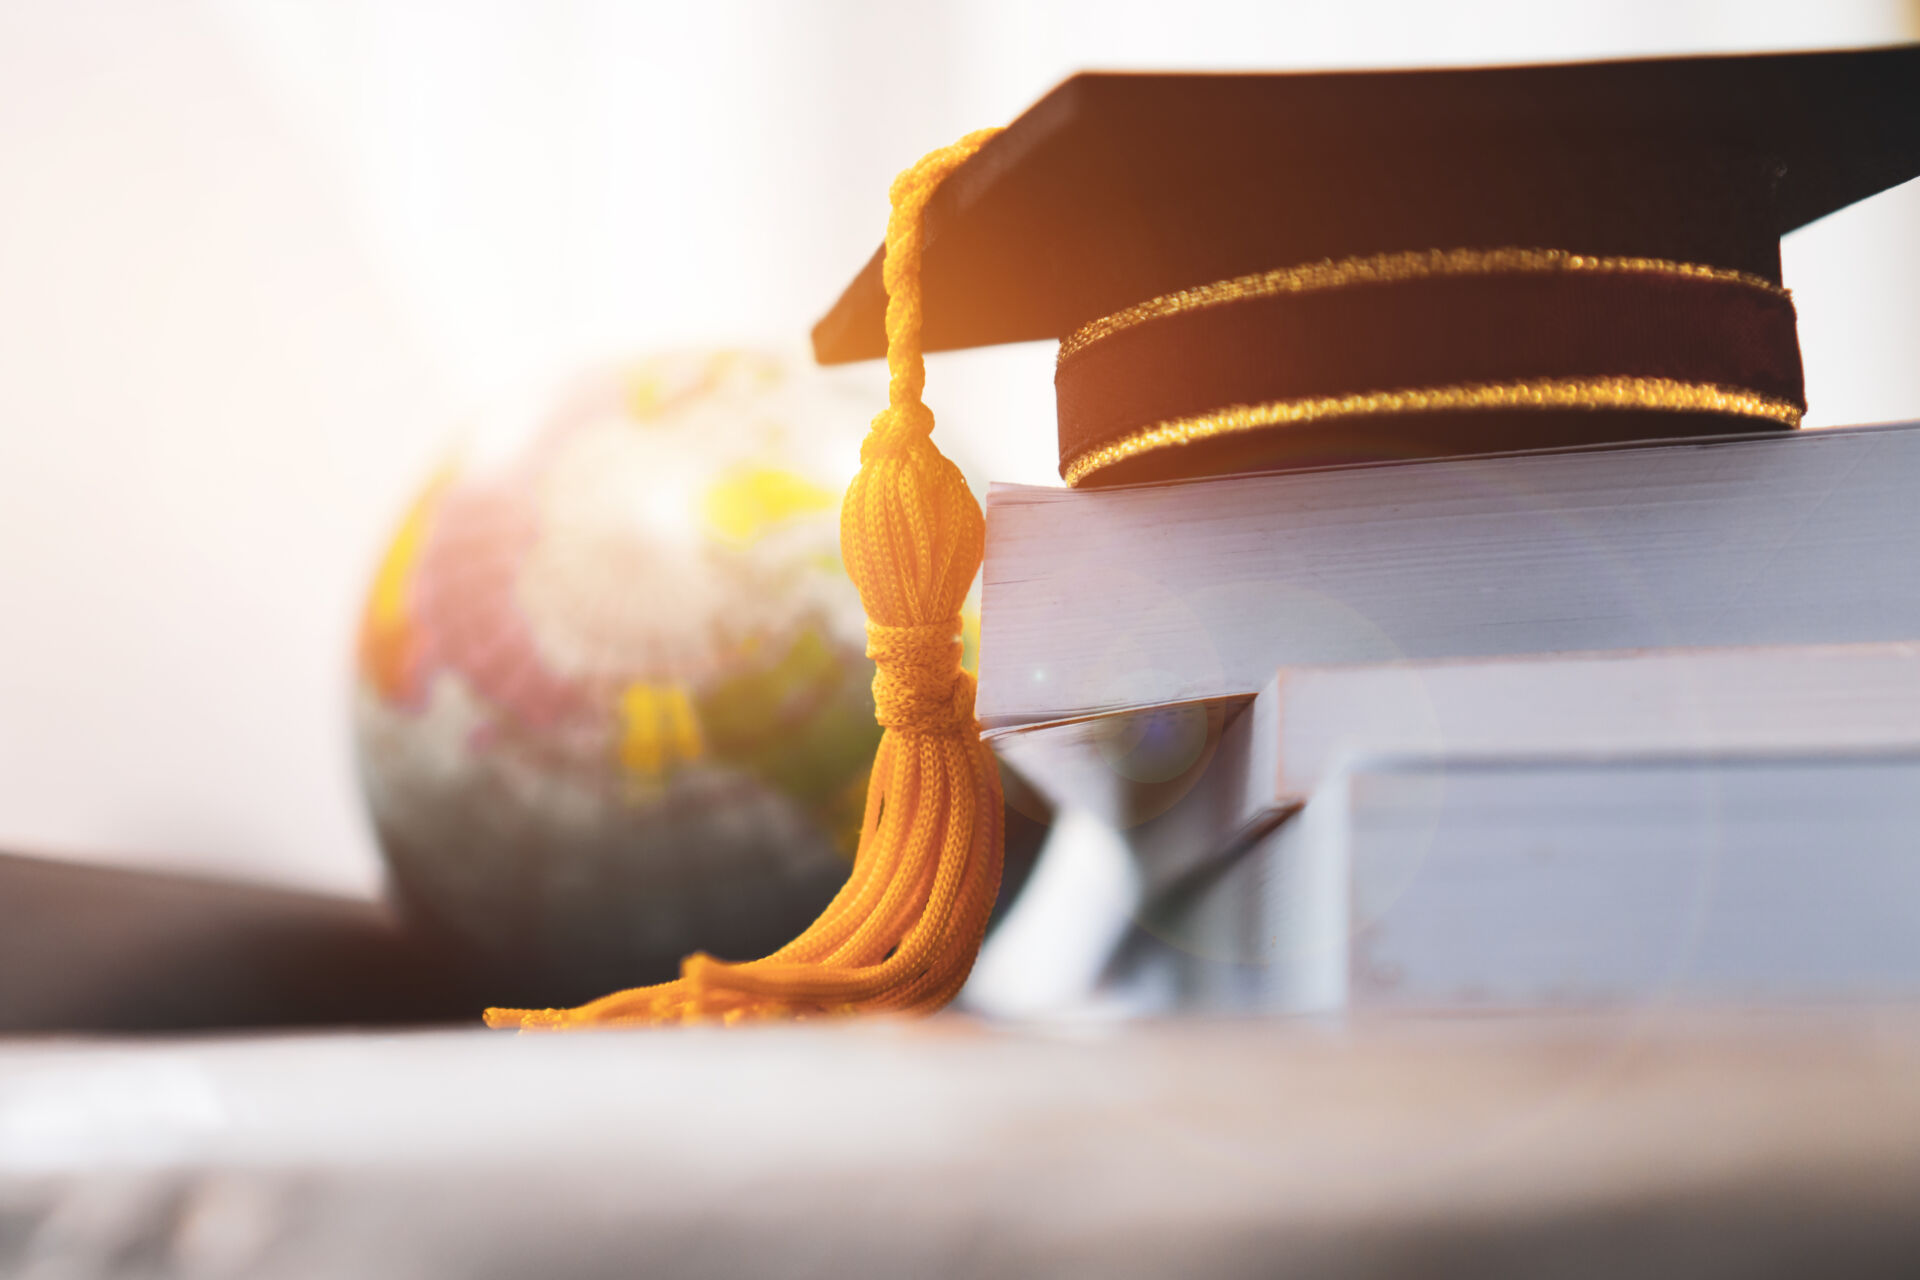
[(903, 931)]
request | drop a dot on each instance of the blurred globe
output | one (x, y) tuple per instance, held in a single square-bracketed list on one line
[(612, 701)]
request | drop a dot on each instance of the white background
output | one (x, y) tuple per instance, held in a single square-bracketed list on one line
[(258, 259)]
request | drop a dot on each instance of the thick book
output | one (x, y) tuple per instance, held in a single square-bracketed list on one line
[(1103, 600), (1439, 886), (1696, 825)]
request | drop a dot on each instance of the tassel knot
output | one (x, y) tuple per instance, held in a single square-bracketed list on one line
[(918, 685), (897, 431)]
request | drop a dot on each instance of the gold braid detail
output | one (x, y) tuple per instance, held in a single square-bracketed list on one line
[(1537, 393), (902, 933), (1393, 268)]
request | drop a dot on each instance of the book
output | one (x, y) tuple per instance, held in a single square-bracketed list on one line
[(1698, 825), (1098, 601), (1437, 886)]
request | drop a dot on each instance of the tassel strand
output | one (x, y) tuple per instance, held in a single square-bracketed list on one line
[(902, 933)]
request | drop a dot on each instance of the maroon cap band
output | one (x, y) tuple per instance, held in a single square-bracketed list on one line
[(1451, 331)]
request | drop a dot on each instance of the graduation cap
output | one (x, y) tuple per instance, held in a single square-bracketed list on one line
[(1260, 271)]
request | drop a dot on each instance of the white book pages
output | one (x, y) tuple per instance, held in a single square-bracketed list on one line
[(1443, 885), (1703, 824), (1099, 600), (1737, 825)]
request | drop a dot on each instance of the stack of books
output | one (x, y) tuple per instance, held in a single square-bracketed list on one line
[(1576, 727)]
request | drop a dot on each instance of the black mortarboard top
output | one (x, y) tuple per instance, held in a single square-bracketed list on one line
[(1258, 271)]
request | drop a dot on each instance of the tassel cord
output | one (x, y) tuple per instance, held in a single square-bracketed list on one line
[(902, 932)]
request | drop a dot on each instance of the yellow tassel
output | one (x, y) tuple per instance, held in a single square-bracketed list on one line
[(903, 931)]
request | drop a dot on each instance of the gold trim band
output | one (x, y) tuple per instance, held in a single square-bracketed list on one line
[(1539, 393), (1389, 268)]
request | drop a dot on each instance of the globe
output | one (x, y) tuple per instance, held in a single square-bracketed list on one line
[(611, 700)]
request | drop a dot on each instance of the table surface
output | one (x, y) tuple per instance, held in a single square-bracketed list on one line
[(1700, 1144)]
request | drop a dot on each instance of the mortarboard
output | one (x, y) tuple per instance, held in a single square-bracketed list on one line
[(1258, 271), (1319, 250)]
